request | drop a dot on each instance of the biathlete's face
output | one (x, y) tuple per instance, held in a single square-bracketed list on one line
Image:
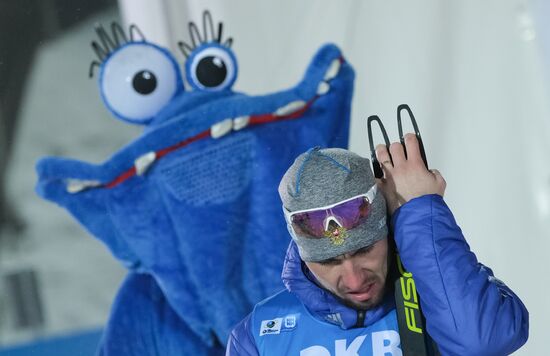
[(357, 278)]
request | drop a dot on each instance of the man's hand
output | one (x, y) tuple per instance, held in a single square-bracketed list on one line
[(407, 178)]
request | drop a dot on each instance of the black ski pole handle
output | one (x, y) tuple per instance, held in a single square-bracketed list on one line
[(406, 107), (378, 173)]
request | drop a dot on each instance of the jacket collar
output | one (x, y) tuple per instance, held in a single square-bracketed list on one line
[(320, 302)]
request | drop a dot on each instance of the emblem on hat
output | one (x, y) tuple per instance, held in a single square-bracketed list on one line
[(335, 231), (337, 234)]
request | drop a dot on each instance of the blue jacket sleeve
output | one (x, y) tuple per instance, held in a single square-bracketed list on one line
[(468, 311), (241, 342)]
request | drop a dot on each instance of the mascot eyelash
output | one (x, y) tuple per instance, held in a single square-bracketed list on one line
[(108, 45), (207, 24)]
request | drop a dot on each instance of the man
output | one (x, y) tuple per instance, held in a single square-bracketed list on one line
[(337, 269)]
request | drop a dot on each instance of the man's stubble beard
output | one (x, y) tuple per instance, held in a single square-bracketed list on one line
[(369, 304), (387, 285)]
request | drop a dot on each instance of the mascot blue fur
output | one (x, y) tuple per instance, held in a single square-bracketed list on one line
[(191, 206)]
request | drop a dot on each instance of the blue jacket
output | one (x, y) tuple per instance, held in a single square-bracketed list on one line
[(468, 311)]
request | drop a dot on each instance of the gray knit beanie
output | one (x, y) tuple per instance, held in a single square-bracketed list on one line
[(321, 177)]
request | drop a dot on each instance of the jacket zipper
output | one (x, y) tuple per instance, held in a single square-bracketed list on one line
[(360, 319)]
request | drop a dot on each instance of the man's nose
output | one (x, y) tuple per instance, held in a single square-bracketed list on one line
[(352, 275)]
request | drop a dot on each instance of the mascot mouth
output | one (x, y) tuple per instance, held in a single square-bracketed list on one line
[(322, 76), (290, 110)]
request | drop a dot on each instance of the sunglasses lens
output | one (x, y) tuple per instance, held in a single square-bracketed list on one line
[(309, 223), (349, 214), (353, 212)]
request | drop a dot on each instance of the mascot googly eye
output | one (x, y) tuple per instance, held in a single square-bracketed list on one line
[(137, 78), (211, 64)]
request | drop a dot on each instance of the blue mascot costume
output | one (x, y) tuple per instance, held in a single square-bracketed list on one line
[(190, 207)]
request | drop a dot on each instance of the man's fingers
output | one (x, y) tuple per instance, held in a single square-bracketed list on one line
[(439, 178), (413, 148), (437, 175), (383, 156), (397, 153)]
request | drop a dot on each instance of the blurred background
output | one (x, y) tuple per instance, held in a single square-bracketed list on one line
[(475, 73)]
